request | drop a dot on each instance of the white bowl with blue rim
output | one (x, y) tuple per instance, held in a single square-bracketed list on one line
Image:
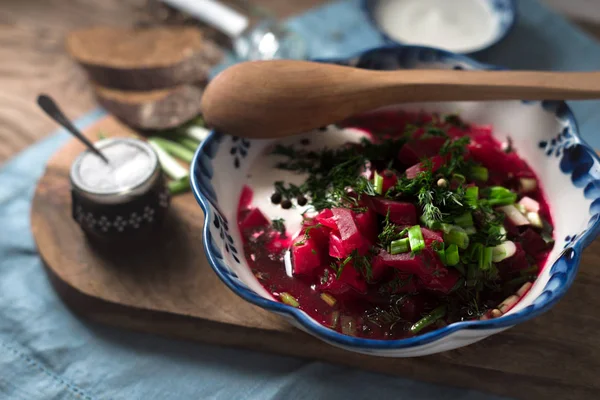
[(545, 134), (460, 26)]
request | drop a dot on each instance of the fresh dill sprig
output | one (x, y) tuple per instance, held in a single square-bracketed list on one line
[(389, 233)]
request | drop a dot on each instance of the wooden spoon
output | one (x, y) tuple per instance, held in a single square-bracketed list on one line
[(268, 99)]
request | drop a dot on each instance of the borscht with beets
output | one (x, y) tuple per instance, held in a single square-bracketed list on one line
[(426, 221)]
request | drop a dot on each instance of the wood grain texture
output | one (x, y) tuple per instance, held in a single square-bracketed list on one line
[(171, 290), (34, 58)]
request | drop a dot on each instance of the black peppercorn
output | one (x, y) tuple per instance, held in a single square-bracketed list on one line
[(285, 204), (301, 200), (276, 198), (305, 142)]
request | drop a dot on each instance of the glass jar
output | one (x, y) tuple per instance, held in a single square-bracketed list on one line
[(124, 200)]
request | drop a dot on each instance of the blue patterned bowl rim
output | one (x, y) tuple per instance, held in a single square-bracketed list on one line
[(565, 268), (509, 7)]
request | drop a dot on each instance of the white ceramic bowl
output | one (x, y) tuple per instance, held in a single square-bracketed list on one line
[(545, 134)]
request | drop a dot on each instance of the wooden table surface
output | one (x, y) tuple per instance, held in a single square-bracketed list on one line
[(34, 60)]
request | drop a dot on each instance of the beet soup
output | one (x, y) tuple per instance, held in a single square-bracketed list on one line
[(427, 221)]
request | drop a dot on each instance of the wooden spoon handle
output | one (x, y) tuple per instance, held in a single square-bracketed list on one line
[(283, 97), (479, 85)]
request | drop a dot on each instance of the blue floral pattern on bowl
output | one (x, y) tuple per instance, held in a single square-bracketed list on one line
[(504, 14), (575, 170)]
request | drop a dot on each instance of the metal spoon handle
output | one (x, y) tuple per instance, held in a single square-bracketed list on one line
[(51, 108)]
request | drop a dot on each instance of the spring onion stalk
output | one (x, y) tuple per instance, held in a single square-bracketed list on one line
[(102, 136), (527, 185), (529, 204), (179, 186), (289, 299), (415, 238), (502, 232), (498, 191), (514, 215), (535, 219), (400, 246), (174, 148), (452, 257), (439, 249), (458, 178), (547, 236), (329, 299), (503, 251), (446, 227), (429, 319), (521, 208), (485, 261), (335, 316), (474, 255), (198, 133), (471, 196), (501, 196), (457, 236), (188, 143), (470, 230), (479, 174), (465, 220), (170, 165), (378, 183)]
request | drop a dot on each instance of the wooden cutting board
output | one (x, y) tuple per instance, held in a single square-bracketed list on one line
[(171, 290)]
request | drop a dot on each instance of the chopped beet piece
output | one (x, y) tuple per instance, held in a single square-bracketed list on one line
[(423, 264), (326, 218), (306, 255), (254, 219), (389, 181), (441, 283), (516, 263), (378, 270), (336, 247), (245, 199), (494, 158), (330, 284), (401, 213), (366, 222), (532, 242), (351, 237), (277, 244), (431, 236), (412, 307), (413, 172), (350, 279), (413, 152)]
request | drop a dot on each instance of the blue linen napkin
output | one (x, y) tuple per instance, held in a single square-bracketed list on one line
[(48, 353)]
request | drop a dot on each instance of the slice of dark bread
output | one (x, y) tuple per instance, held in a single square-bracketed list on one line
[(144, 58), (152, 110)]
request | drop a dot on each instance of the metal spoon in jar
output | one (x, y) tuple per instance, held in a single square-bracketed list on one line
[(53, 111)]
